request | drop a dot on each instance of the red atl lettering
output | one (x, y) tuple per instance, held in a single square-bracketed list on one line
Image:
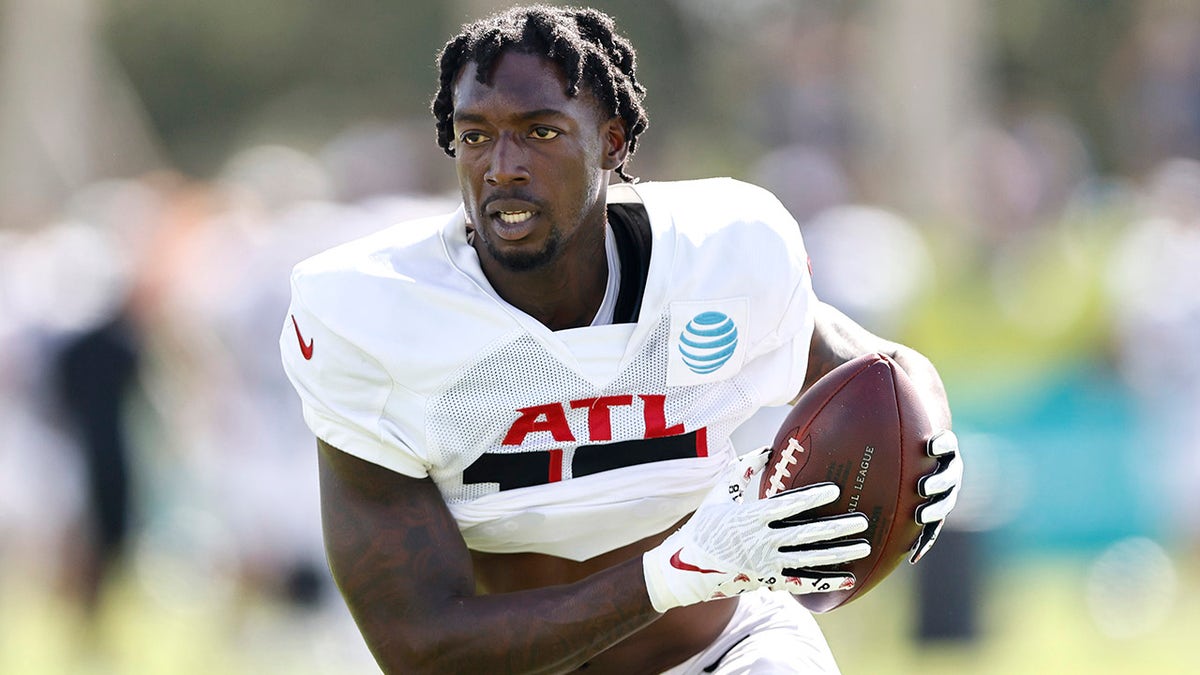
[(656, 417), (541, 465), (550, 417), (599, 418)]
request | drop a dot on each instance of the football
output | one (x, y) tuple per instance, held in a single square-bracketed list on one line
[(863, 427)]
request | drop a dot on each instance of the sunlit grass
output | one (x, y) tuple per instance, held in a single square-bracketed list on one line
[(1034, 619), (138, 633)]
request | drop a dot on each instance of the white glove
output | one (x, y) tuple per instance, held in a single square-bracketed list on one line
[(732, 545), (941, 489)]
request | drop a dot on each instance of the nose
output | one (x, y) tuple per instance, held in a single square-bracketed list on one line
[(508, 162)]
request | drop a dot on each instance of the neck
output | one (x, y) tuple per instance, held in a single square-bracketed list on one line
[(565, 293)]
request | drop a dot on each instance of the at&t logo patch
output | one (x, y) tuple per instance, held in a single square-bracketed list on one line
[(707, 340)]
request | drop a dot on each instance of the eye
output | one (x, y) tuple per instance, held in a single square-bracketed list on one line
[(543, 133), (472, 137)]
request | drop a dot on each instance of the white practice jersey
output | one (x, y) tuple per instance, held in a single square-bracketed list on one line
[(573, 442)]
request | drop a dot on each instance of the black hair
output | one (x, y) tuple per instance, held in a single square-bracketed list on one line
[(583, 42)]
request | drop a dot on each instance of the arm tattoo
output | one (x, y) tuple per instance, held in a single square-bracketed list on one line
[(406, 575)]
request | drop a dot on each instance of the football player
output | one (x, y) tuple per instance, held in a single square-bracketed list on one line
[(523, 408)]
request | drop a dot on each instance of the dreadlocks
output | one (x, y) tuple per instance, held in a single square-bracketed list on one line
[(583, 42)]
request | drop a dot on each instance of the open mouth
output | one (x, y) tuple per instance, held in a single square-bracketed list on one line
[(514, 217), (514, 225)]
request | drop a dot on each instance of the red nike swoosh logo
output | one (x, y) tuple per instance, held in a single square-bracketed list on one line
[(688, 567), (305, 349)]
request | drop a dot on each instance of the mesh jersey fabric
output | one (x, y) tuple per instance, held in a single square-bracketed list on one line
[(573, 442)]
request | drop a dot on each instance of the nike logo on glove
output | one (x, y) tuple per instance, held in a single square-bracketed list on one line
[(305, 349), (688, 567)]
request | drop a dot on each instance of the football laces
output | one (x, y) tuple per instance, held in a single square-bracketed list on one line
[(780, 470)]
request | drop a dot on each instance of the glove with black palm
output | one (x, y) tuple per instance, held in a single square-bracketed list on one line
[(940, 488)]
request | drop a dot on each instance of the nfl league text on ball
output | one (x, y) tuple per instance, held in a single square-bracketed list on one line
[(864, 466)]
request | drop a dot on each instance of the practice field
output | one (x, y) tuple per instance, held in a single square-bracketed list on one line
[(1036, 618)]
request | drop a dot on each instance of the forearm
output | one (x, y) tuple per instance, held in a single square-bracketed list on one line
[(837, 339), (547, 630), (927, 380)]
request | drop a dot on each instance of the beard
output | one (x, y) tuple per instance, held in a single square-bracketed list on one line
[(524, 261)]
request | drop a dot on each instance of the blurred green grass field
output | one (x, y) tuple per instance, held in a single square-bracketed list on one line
[(1034, 619)]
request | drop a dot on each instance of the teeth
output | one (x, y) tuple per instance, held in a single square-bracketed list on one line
[(514, 217)]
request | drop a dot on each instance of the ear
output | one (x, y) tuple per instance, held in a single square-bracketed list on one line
[(616, 146)]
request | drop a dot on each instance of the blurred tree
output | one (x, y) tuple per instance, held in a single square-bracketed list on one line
[(209, 71), (1053, 54), (67, 116)]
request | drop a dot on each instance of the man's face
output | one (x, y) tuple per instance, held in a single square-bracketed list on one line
[(532, 162)]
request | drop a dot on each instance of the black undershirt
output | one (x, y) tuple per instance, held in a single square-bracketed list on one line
[(631, 229)]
